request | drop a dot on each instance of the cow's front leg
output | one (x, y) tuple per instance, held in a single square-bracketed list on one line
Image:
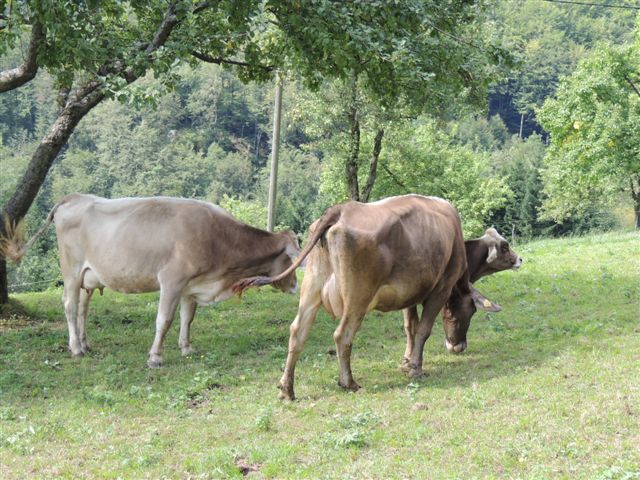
[(343, 336), (166, 310), (410, 320), (423, 328), (71, 297), (83, 308), (187, 312)]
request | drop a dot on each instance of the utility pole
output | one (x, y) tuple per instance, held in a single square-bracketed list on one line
[(275, 151)]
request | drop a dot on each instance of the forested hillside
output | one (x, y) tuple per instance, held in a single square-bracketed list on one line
[(495, 149)]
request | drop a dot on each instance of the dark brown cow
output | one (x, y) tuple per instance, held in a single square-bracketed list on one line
[(192, 251), (485, 255), (388, 255)]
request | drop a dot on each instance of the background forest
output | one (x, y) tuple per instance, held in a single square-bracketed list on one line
[(551, 148)]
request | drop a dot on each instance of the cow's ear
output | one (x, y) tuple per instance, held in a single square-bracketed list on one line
[(483, 303), (493, 253)]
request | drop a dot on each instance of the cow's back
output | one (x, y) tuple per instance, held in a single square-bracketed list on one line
[(392, 253)]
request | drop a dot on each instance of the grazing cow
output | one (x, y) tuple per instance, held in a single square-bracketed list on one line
[(389, 255), (192, 251), (485, 255)]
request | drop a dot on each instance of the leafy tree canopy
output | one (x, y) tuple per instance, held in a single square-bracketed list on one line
[(594, 122)]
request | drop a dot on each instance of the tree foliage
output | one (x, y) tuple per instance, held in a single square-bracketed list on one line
[(549, 39), (423, 159), (594, 123)]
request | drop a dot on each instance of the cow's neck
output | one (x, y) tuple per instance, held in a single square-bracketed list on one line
[(255, 257), (477, 253)]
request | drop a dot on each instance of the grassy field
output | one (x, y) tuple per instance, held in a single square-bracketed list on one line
[(548, 388)]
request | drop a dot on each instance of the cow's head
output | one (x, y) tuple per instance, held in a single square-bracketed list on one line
[(500, 256), (457, 314), (283, 261)]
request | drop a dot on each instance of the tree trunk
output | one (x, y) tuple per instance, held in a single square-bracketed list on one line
[(77, 104), (351, 170), (635, 195), (18, 205), (373, 166), (4, 287)]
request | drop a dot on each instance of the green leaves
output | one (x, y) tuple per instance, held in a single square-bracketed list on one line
[(594, 121)]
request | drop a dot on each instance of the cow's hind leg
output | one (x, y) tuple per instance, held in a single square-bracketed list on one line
[(187, 312), (169, 297), (310, 301), (410, 319), (343, 336), (83, 307), (71, 299)]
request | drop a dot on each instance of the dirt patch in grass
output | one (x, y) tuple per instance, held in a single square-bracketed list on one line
[(246, 468), (13, 315)]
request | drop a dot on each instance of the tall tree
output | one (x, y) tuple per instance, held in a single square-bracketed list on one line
[(549, 38), (97, 49), (429, 56), (594, 123)]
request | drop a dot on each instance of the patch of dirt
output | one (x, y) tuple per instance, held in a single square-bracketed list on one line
[(278, 321), (419, 406), (245, 467), (13, 315)]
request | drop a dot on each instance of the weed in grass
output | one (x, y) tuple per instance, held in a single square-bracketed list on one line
[(356, 430), (619, 473), (264, 420), (412, 389), (100, 395), (352, 438)]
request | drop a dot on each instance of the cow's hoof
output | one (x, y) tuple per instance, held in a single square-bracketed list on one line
[(188, 351), (352, 385), (78, 354), (154, 362), (404, 366), (286, 393), (416, 373)]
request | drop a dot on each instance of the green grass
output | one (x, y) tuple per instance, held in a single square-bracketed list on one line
[(548, 388)]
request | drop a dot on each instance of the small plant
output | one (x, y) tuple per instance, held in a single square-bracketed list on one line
[(264, 421), (100, 395), (618, 473), (351, 438)]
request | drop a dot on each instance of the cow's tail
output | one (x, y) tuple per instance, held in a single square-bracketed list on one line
[(328, 219), (12, 244)]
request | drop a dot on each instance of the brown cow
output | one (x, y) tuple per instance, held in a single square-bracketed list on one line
[(388, 255), (485, 255), (192, 251)]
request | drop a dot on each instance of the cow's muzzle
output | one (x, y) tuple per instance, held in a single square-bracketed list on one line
[(457, 348), (517, 263)]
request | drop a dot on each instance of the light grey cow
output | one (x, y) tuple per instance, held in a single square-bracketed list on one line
[(192, 251)]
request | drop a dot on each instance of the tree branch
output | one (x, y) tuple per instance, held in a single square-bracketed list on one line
[(219, 61), (169, 21), (395, 179), (626, 77), (16, 77)]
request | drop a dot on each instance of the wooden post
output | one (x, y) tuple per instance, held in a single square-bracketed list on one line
[(275, 151), (521, 124)]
